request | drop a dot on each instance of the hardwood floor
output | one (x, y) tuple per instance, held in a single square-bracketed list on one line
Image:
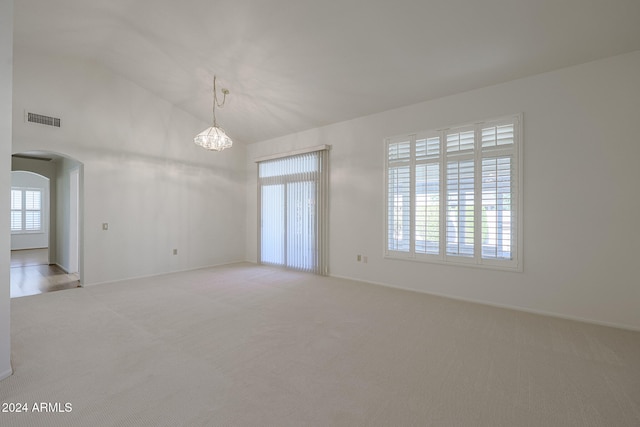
[(31, 274)]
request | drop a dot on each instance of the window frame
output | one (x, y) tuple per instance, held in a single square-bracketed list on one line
[(23, 211), (478, 154)]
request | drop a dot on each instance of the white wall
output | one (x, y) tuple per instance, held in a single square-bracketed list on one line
[(40, 239), (6, 66), (581, 238), (142, 173)]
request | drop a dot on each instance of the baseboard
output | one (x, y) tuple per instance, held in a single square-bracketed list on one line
[(6, 374), (146, 276), (61, 268), (27, 249), (505, 306), (487, 303)]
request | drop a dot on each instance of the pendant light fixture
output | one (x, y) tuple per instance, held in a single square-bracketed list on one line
[(214, 138)]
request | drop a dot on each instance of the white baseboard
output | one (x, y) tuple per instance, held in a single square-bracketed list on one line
[(27, 249), (62, 268), (505, 306), (6, 374), (165, 273), (483, 302)]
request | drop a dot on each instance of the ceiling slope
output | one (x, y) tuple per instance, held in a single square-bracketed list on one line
[(291, 66)]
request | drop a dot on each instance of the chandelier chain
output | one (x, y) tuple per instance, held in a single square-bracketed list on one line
[(225, 92)]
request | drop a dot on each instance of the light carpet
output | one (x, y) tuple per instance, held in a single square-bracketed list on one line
[(247, 345)]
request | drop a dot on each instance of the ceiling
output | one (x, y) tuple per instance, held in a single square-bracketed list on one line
[(296, 65)]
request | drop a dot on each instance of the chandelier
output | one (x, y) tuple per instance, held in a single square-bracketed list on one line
[(214, 138)]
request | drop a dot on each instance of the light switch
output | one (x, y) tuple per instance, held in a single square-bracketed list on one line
[(105, 225)]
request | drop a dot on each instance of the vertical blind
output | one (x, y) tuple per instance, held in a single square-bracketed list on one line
[(292, 194)]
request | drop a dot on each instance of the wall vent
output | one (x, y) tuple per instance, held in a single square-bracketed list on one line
[(43, 120)]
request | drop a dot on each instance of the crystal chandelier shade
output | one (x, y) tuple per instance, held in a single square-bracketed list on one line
[(213, 138)]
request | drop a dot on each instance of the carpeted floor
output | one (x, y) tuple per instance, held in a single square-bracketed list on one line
[(247, 345)]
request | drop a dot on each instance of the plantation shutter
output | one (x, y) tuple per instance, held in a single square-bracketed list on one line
[(32, 210), (16, 210), (460, 191), (399, 196), (26, 210), (453, 195), (498, 178), (427, 195)]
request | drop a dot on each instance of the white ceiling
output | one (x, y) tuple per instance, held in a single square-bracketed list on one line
[(292, 65)]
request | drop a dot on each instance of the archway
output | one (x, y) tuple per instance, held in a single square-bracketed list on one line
[(64, 221)]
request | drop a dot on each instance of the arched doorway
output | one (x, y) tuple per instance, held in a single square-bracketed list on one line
[(60, 265)]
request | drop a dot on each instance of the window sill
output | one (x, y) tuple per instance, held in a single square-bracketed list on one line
[(512, 266), (22, 233)]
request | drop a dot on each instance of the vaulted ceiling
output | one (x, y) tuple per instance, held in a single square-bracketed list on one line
[(294, 65)]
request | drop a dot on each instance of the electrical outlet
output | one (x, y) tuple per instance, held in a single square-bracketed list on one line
[(359, 257), (175, 252)]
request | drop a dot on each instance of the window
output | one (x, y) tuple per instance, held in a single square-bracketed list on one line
[(26, 210), (293, 220), (453, 195)]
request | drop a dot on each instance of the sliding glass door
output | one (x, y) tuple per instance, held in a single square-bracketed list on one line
[(272, 244), (292, 206)]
